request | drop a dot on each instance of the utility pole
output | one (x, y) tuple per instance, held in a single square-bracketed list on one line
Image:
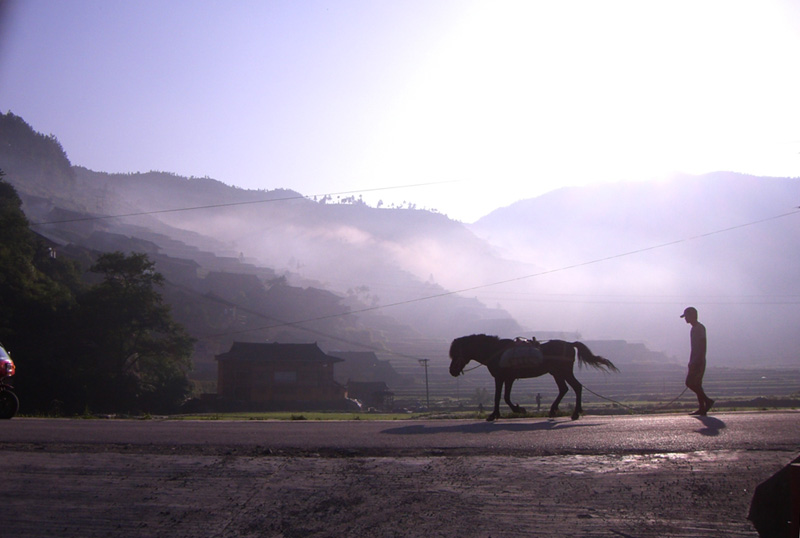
[(424, 363)]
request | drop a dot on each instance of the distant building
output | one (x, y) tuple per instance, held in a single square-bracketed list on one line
[(365, 366), (279, 376), (371, 394)]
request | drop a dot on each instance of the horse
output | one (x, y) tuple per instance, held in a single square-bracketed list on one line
[(554, 357)]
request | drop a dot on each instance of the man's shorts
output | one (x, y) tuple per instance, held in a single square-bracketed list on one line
[(695, 376)]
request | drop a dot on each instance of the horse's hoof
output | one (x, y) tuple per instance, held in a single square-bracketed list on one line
[(575, 417), (490, 418)]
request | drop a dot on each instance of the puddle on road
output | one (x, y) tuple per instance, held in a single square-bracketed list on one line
[(586, 464)]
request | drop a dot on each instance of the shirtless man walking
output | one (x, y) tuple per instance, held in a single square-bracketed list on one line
[(697, 361)]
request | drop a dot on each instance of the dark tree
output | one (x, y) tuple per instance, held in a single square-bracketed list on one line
[(35, 309), (110, 347), (135, 357)]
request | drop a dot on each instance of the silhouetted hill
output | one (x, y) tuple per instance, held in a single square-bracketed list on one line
[(38, 158), (266, 264)]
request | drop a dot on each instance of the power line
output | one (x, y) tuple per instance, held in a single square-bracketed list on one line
[(298, 324), (233, 204), (283, 323), (581, 298), (529, 276), (630, 253)]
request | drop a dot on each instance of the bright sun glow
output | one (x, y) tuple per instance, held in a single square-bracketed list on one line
[(522, 97), (501, 100)]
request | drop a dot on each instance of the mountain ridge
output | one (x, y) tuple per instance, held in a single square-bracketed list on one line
[(612, 261), (724, 242)]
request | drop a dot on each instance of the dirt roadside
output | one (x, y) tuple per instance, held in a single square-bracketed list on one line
[(124, 492)]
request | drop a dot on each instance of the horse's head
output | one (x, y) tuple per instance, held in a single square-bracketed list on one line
[(458, 358), (477, 347)]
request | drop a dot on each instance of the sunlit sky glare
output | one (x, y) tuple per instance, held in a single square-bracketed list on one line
[(492, 101)]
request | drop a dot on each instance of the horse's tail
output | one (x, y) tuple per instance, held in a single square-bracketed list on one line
[(585, 356)]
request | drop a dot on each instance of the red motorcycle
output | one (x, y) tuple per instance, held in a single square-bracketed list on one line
[(9, 403)]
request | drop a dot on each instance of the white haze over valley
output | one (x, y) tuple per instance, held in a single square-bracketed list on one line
[(616, 261), (744, 280)]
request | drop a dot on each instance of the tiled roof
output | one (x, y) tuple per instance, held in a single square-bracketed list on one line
[(271, 351)]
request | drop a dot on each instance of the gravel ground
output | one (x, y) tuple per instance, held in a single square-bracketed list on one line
[(124, 491)]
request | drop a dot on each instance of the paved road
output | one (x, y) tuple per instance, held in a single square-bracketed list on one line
[(645, 476), (589, 435)]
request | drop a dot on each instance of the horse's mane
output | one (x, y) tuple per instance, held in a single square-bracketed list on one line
[(484, 338), (475, 340), (478, 342)]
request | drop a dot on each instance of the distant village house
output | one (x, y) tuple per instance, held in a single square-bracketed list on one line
[(366, 378), (372, 394), (365, 366), (279, 376)]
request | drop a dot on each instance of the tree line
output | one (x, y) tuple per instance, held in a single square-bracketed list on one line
[(98, 339)]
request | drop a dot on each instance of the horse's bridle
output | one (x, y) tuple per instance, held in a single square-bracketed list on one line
[(464, 371), (466, 361)]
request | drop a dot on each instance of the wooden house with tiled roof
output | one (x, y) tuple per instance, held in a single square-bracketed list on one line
[(279, 376), (371, 394)]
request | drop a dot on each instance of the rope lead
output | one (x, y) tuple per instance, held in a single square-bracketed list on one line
[(661, 406)]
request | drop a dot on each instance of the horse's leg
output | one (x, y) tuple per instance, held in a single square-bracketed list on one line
[(578, 388), (562, 390), (498, 386), (515, 408)]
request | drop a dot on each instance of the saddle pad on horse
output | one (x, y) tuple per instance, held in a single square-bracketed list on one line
[(521, 356)]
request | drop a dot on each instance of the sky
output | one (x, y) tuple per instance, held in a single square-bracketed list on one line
[(458, 106)]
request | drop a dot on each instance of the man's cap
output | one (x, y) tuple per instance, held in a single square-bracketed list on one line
[(690, 309)]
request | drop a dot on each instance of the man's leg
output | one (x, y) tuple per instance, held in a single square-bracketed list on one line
[(694, 381)]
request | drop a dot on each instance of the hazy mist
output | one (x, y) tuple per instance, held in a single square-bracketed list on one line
[(627, 258), (614, 261)]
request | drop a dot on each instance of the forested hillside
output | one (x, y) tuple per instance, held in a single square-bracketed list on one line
[(366, 255), (218, 288), (111, 346)]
